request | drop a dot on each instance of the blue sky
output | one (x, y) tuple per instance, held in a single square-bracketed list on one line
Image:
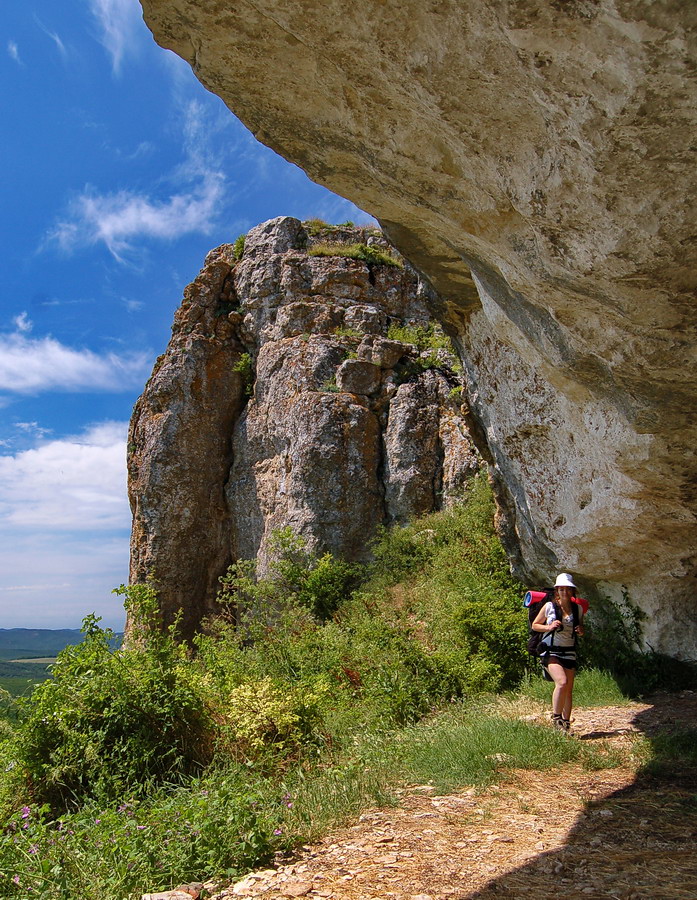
[(120, 172)]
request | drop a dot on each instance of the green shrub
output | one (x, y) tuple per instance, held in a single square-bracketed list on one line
[(330, 386), (327, 584), (423, 337), (345, 331), (219, 824), (109, 722), (428, 339), (264, 719), (613, 642)]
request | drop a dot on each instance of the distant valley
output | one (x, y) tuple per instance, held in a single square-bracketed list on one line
[(26, 654)]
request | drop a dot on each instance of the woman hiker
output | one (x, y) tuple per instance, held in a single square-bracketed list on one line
[(560, 621)]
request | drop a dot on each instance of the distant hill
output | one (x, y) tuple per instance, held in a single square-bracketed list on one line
[(33, 643)]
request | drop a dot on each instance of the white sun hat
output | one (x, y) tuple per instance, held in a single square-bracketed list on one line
[(564, 580)]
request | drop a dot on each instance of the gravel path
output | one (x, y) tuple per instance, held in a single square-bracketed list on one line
[(589, 834)]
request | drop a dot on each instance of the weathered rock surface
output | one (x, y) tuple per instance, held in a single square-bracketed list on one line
[(345, 428), (179, 451), (536, 161)]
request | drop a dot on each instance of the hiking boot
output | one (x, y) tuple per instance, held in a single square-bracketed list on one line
[(557, 722), (566, 723)]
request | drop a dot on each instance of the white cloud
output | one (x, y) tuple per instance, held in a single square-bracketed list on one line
[(13, 50), (74, 484), (31, 365), (120, 23), (50, 580), (64, 522), (22, 322), (117, 219)]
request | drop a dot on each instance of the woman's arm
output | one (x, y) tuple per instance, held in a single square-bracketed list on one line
[(540, 625)]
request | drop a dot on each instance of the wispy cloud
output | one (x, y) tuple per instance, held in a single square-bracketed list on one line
[(119, 219), (62, 49), (13, 50), (33, 365), (116, 219), (32, 428), (120, 25)]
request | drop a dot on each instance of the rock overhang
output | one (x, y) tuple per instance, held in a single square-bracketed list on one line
[(536, 162)]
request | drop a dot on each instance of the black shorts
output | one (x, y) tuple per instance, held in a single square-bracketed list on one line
[(567, 662)]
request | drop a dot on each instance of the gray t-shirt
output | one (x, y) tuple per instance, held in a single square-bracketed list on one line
[(563, 638)]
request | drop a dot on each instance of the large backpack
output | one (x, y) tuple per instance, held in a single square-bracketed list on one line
[(534, 601)]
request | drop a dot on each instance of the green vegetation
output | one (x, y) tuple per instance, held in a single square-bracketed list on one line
[(373, 256), (315, 227), (318, 690), (428, 339), (330, 386), (345, 331), (244, 366), (423, 337), (238, 247)]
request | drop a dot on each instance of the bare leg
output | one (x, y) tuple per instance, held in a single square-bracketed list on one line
[(568, 698), (560, 676)]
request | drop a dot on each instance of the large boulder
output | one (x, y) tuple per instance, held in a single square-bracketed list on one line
[(535, 160), (260, 415)]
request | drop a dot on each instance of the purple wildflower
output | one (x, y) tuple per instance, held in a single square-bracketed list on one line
[(26, 812)]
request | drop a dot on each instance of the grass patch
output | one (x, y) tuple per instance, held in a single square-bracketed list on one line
[(373, 256), (244, 366), (592, 687), (667, 754), (471, 748), (238, 247)]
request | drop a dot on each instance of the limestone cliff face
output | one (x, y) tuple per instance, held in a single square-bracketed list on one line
[(535, 160), (282, 401)]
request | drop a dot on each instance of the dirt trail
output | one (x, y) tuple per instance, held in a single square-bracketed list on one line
[(586, 834)]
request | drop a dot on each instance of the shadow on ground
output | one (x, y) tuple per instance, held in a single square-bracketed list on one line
[(638, 843)]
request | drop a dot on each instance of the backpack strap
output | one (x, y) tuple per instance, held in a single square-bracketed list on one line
[(558, 614)]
